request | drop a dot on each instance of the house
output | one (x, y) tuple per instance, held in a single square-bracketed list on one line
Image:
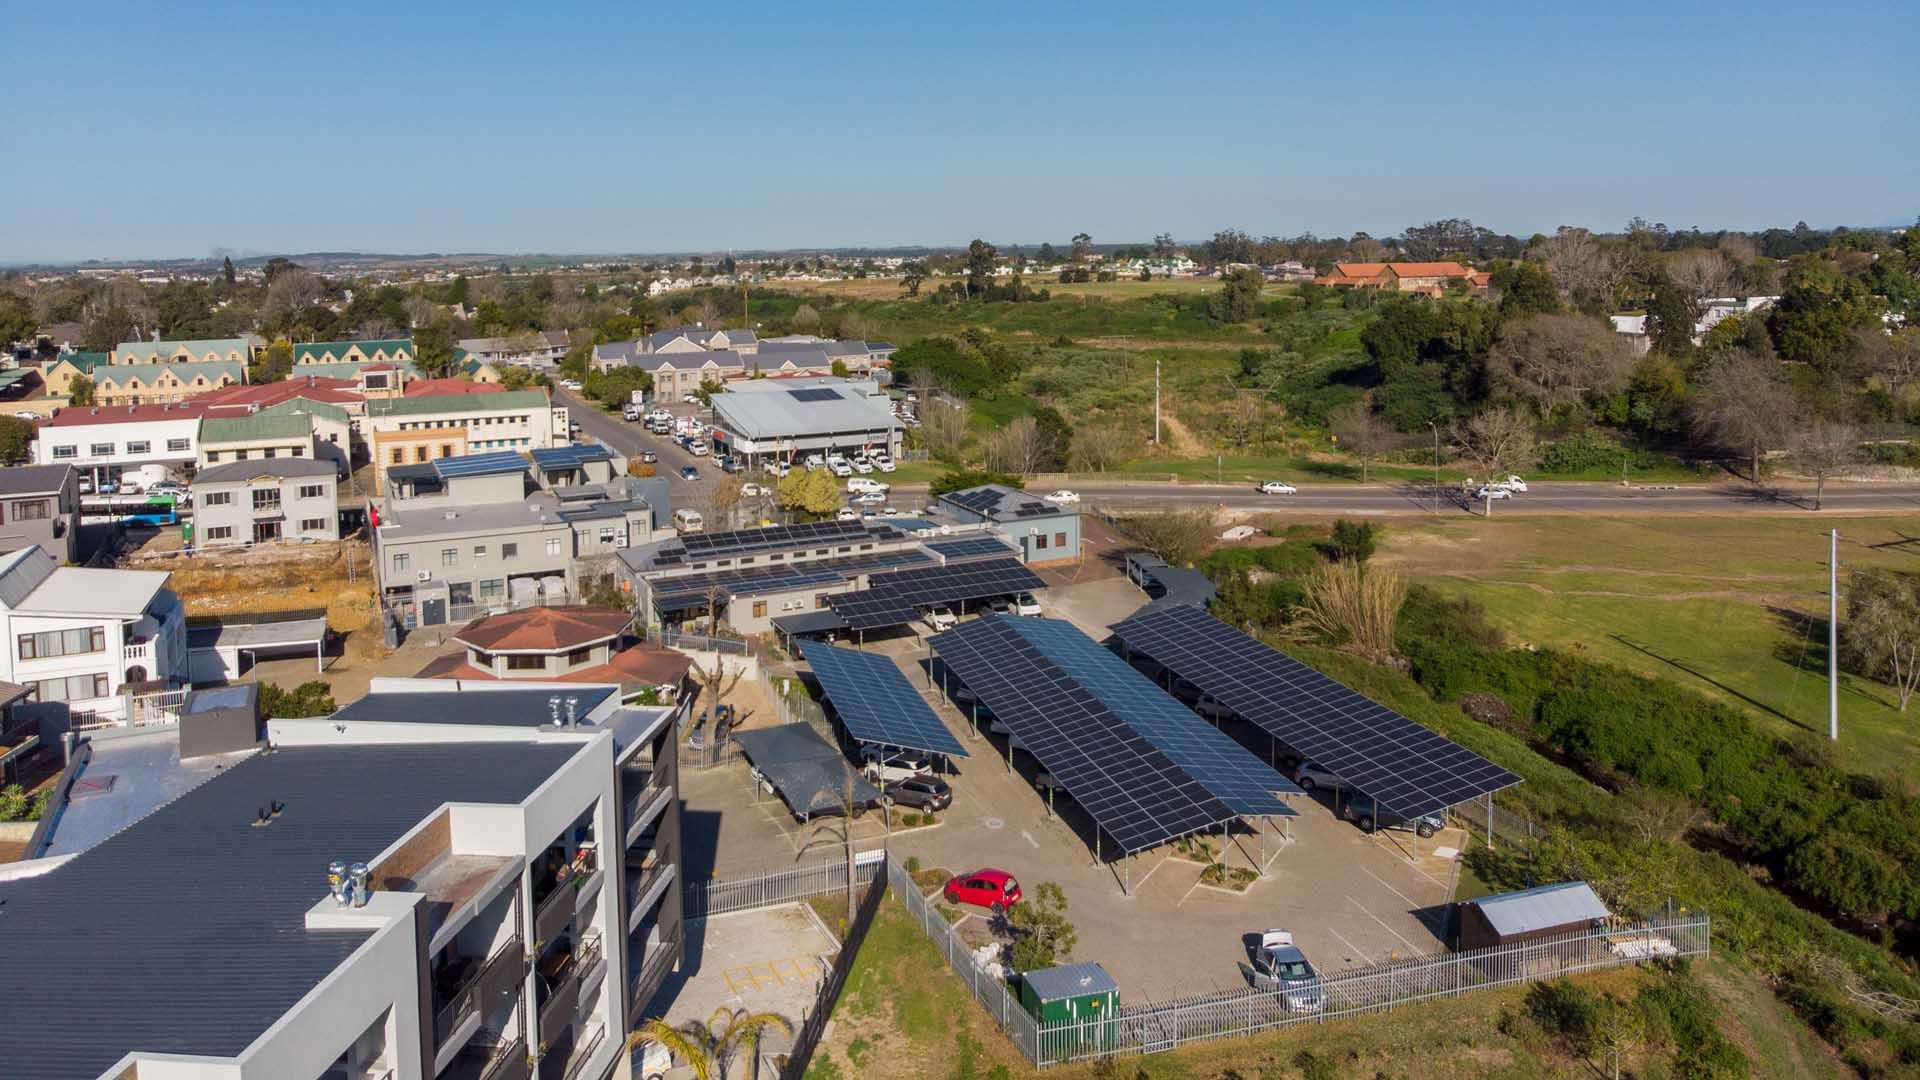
[(263, 502), (60, 372), (542, 351), (103, 441), (1528, 915), (475, 370), (569, 644), (381, 351), (40, 505), (506, 907), (147, 384), (1634, 329), (256, 437), (80, 635), (238, 350), (1429, 278), (685, 339), (1044, 532), (334, 417)]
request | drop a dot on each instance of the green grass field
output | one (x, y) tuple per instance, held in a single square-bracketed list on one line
[(1732, 606)]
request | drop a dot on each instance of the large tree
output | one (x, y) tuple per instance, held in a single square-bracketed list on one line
[(433, 346), (1823, 448), (1881, 633), (912, 276), (1015, 448), (1082, 247), (982, 260), (1498, 441), (1589, 272), (16, 318), (1238, 300), (1744, 406), (1557, 360), (1702, 272)]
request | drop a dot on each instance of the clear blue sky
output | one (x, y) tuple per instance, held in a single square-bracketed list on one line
[(158, 130)]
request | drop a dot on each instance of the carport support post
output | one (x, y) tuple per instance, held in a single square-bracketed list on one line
[(1489, 821)]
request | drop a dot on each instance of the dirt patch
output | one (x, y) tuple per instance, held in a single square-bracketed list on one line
[(265, 580)]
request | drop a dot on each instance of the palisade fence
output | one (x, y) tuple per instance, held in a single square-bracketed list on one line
[(828, 990), (1152, 1027), (719, 897)]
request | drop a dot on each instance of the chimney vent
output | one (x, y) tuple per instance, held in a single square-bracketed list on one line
[(339, 884), (553, 710), (572, 704), (362, 888)]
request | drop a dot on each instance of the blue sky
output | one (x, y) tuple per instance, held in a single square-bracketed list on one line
[(266, 127)]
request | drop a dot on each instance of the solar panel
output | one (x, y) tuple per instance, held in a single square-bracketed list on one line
[(565, 457), (979, 501), (1136, 794), (681, 590), (964, 581), (819, 393), (1224, 767), (969, 547), (871, 611), (498, 461), (876, 702), (1400, 764), (703, 545)]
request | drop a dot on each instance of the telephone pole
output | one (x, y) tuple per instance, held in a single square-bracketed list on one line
[(1833, 635)]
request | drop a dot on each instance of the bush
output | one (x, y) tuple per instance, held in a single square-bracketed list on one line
[(17, 805), (310, 698), (1566, 1009), (1353, 541), (1891, 453)]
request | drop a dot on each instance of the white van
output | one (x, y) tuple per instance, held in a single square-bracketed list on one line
[(688, 520)]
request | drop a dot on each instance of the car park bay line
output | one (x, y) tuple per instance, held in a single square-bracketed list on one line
[(1384, 926)]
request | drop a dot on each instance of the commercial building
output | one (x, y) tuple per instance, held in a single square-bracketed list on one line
[(40, 505), (403, 430), (504, 909), (789, 419), (1044, 533), (102, 441), (1430, 278), (264, 502), (80, 635)]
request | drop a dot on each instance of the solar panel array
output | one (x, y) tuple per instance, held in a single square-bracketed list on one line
[(951, 584), (980, 501), (692, 589), (564, 457), (815, 393), (969, 547), (1134, 791), (1034, 508), (1232, 773), (495, 462), (876, 702), (1403, 766), (871, 610), (773, 537)]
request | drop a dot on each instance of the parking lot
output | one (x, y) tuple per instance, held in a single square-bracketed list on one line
[(767, 960), (1349, 898)]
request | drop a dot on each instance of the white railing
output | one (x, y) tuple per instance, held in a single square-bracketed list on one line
[(140, 652), (130, 711), (704, 898)]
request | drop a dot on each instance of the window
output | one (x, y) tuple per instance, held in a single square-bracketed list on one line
[(776, 557), (1059, 540), (51, 643), (217, 498), (399, 456), (101, 449), (313, 491), (509, 551), (239, 455), (479, 553), (177, 446), (268, 453), (759, 609), (606, 535), (460, 593), (449, 556), (446, 449), (60, 452), (400, 561), (748, 561), (299, 451), (266, 499), (1040, 541), (72, 688), (213, 457), (313, 524), (419, 453), (141, 447), (526, 663), (30, 510), (820, 599), (220, 532), (492, 588), (553, 546), (579, 656)]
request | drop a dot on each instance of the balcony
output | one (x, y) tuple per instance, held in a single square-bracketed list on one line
[(562, 997), (556, 901), (640, 787), (651, 970), (645, 869), (569, 1061), (492, 1060), (467, 989), (138, 652)]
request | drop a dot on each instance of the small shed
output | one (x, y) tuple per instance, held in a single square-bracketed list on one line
[(1540, 912), (1082, 995), (220, 720)]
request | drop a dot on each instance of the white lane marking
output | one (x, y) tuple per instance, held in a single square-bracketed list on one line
[(1357, 950), (1389, 887), (1384, 926), (1028, 837)]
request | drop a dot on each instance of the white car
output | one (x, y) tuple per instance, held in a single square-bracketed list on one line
[(890, 766), (942, 619), (1493, 493), (1511, 483), (839, 466), (753, 491), (569, 384), (776, 468), (698, 448), (651, 1061), (882, 462), (1063, 497), (861, 485), (815, 461), (1025, 604), (862, 466), (870, 498), (1277, 487), (846, 513)]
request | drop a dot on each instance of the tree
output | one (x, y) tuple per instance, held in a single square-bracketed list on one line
[(1178, 536), (810, 492), (272, 365), (1822, 448), (912, 276), (226, 270), (1881, 635), (1043, 937), (1082, 247), (1015, 448), (1355, 606), (1439, 239), (839, 368), (1618, 1027), (310, 698), (433, 346), (16, 440), (961, 479), (1100, 445), (943, 424), (1497, 441), (720, 501), (1743, 406), (1163, 245), (1893, 359), (1525, 289), (1361, 431), (16, 318), (1238, 300), (1558, 360), (1589, 273), (805, 319), (1056, 439), (709, 1049), (516, 378), (982, 259), (1354, 541), (1702, 272), (80, 390)]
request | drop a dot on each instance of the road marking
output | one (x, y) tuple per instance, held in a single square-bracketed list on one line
[(1028, 837), (1384, 926), (1389, 887), (1357, 950)]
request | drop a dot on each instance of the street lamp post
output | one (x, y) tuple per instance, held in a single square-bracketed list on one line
[(1435, 425)]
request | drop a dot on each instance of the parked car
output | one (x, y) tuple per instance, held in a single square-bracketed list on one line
[(569, 384), (1278, 487), (942, 619), (862, 484), (925, 792), (861, 465), (86, 485), (753, 491), (629, 411), (999, 606), (987, 888), (887, 765), (1063, 497), (698, 448), (732, 464), (651, 1061), (1281, 966), (882, 462), (1212, 709), (815, 462), (839, 466), (846, 513), (688, 472), (1311, 776), (1025, 604), (869, 498), (1362, 811), (169, 487), (776, 468), (649, 457)]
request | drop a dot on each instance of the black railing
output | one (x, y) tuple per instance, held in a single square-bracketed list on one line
[(642, 874), (466, 997), (554, 909)]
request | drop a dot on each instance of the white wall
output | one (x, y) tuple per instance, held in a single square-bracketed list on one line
[(155, 433)]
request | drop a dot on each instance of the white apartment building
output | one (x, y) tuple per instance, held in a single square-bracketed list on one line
[(104, 441), (80, 635), (510, 420)]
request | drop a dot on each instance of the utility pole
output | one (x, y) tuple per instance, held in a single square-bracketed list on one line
[(1435, 425), (1156, 401), (1833, 635)]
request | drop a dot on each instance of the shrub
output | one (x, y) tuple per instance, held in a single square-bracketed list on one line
[(1565, 1009), (310, 698), (1353, 541), (17, 805)]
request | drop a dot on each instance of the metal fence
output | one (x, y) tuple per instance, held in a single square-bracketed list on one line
[(131, 711), (828, 991), (719, 897), (703, 643), (1151, 1027)]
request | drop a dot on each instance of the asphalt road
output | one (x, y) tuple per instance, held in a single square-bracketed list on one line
[(1321, 499)]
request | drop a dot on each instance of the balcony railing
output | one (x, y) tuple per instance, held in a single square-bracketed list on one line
[(651, 969), (138, 652), (469, 994), (501, 1060), (563, 998), (587, 1047), (643, 870), (554, 910)]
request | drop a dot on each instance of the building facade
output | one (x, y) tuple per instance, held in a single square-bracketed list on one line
[(102, 442), (40, 505), (150, 384), (238, 350), (386, 350), (79, 636), (264, 502)]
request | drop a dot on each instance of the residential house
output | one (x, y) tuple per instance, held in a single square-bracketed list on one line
[(541, 351), (681, 339), (81, 635), (475, 370), (677, 374), (506, 902), (103, 441), (239, 350), (147, 384), (266, 501), (40, 505), (59, 373), (382, 351), (569, 644), (1430, 278), (335, 416), (1634, 329)]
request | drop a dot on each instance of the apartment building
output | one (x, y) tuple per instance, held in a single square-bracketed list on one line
[(542, 351), (509, 420), (238, 350), (81, 635), (40, 505), (263, 502), (148, 384), (504, 909), (384, 350), (102, 441)]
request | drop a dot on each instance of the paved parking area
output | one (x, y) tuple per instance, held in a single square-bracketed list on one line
[(769, 960)]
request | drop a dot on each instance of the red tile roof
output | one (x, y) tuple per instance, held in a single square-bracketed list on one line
[(446, 387), (1430, 269), (543, 629), (641, 664), (312, 387)]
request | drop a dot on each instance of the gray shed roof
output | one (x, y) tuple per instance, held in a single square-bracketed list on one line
[(33, 479), (185, 933), (1070, 981), (1542, 907), (806, 769)]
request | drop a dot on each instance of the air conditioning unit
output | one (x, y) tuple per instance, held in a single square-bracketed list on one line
[(619, 541), (423, 575)]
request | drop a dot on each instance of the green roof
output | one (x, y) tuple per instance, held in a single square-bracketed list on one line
[(442, 403), (259, 426), (305, 407), (195, 346), (85, 361), (345, 369), (13, 375), (339, 348), (120, 374)]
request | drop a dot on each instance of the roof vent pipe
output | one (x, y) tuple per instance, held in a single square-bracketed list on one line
[(362, 887), (553, 710), (572, 704), (339, 884)]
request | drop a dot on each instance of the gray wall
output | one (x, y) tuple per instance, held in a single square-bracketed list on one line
[(57, 533), (238, 514), (424, 553)]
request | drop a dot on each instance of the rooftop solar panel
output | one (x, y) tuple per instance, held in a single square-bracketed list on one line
[(963, 581), (969, 547), (1136, 793), (979, 501), (876, 702), (498, 461), (817, 393), (1402, 765), (564, 457), (871, 611), (1233, 774), (691, 589), (773, 537)]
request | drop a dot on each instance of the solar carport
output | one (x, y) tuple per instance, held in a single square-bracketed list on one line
[(1404, 767), (897, 598), (807, 771), (1145, 768), (876, 703)]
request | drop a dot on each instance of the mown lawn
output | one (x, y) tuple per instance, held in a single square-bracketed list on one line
[(1731, 606)]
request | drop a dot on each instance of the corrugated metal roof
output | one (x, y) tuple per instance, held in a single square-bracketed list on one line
[(259, 426), (487, 708), (1541, 908), (1070, 981), (185, 933), (24, 571)]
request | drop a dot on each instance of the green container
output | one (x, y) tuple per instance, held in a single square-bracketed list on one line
[(1077, 1005)]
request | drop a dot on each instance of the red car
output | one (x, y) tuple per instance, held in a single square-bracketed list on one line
[(994, 889)]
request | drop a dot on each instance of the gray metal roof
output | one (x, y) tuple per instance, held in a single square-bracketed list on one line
[(185, 932), (806, 769), (1542, 907), (33, 479), (22, 572), (239, 472), (689, 361), (258, 635), (485, 708), (771, 414), (1070, 981)]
